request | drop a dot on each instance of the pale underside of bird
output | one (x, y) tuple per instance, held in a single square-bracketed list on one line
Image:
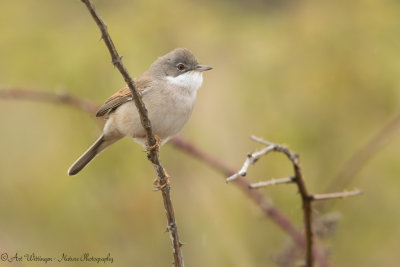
[(168, 90)]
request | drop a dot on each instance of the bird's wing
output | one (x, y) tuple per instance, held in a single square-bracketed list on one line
[(122, 96)]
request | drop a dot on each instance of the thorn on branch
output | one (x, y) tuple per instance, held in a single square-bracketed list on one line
[(116, 61), (172, 227)]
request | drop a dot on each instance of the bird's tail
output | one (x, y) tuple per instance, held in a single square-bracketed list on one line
[(98, 146)]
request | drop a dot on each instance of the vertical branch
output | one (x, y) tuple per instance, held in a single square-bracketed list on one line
[(306, 199), (306, 202), (152, 153)]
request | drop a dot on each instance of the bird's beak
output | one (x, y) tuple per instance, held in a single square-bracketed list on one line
[(202, 68)]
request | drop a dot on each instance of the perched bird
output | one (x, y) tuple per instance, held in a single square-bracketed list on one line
[(169, 90)]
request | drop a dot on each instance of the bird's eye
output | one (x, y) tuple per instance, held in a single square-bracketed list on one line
[(181, 67)]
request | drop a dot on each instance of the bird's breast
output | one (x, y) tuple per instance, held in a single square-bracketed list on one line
[(170, 108)]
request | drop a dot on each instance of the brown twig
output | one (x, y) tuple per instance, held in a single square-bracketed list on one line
[(57, 98), (152, 153), (298, 179)]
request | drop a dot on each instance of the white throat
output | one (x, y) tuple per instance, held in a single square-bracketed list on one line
[(190, 80)]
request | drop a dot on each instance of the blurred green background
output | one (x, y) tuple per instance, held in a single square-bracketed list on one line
[(319, 76)]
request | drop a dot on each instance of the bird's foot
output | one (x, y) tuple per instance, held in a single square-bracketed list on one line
[(158, 186), (156, 146)]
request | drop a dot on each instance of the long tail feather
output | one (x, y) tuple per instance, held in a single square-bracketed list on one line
[(98, 146)]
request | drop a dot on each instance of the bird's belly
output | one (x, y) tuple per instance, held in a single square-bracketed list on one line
[(168, 122), (167, 119), (125, 119)]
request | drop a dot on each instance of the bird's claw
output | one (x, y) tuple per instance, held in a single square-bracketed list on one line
[(158, 186), (156, 146)]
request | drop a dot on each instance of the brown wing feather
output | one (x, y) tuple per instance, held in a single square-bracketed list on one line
[(122, 96)]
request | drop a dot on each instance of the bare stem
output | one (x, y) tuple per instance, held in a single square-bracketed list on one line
[(57, 98), (152, 153), (317, 197), (251, 159), (287, 180)]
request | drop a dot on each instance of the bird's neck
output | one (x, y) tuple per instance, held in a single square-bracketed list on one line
[(189, 81)]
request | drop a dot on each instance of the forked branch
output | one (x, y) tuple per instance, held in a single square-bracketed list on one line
[(298, 179)]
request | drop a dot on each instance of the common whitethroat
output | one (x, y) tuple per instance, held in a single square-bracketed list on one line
[(169, 90)]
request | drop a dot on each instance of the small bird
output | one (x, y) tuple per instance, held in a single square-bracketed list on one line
[(168, 89)]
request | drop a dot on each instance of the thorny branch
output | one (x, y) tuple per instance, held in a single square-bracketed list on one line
[(152, 153), (298, 179)]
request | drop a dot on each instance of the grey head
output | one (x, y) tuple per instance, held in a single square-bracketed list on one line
[(175, 63)]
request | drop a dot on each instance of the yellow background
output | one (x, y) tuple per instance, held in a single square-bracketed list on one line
[(319, 76)]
